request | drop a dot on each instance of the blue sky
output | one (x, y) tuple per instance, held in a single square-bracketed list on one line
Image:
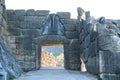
[(108, 8)]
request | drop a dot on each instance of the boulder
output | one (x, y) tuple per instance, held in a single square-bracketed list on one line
[(8, 61)]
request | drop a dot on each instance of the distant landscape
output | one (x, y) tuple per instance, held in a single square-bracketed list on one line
[(56, 50)]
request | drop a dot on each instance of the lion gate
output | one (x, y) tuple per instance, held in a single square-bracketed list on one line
[(53, 33), (96, 42)]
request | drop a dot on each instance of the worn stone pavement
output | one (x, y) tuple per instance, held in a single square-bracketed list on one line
[(56, 74)]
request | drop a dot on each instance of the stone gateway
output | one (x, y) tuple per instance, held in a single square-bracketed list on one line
[(96, 42)]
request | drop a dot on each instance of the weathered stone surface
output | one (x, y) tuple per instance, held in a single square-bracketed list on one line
[(19, 12), (110, 76), (92, 65), (108, 36), (109, 62), (87, 41), (14, 32), (30, 24), (3, 73), (8, 61), (42, 12), (71, 35), (51, 39), (88, 17), (17, 17), (80, 11), (27, 66), (30, 12), (74, 44), (64, 15), (52, 26), (69, 27), (85, 55), (31, 32), (69, 21), (82, 36)]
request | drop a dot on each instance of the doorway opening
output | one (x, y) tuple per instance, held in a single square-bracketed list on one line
[(52, 56)]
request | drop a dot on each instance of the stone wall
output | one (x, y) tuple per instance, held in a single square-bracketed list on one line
[(96, 42), (99, 45), (9, 67), (88, 39), (71, 47), (23, 30)]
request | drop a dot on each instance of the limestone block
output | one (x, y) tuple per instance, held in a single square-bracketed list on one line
[(11, 39), (80, 11), (94, 49), (110, 76), (64, 15), (2, 1), (74, 66), (93, 36), (16, 18), (89, 28), (85, 55), (30, 25), (87, 41), (31, 32), (26, 44), (71, 34), (82, 36), (8, 60), (109, 62), (19, 12), (10, 12), (27, 66), (88, 17), (69, 27), (42, 12), (109, 43), (31, 18), (3, 74), (30, 12), (82, 47), (74, 57), (52, 39), (69, 21), (28, 58), (14, 32), (74, 44), (12, 24), (12, 46), (92, 65), (20, 57)]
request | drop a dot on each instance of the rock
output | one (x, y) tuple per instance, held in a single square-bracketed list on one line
[(64, 15), (80, 11), (42, 12), (8, 61), (3, 73), (52, 26), (30, 12), (109, 62), (108, 36)]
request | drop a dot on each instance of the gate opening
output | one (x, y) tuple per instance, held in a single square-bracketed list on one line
[(52, 56)]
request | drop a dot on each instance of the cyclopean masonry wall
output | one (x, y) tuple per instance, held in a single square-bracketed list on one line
[(24, 37), (9, 67), (99, 45), (96, 42)]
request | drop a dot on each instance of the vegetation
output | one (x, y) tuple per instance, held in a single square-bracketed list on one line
[(60, 56)]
